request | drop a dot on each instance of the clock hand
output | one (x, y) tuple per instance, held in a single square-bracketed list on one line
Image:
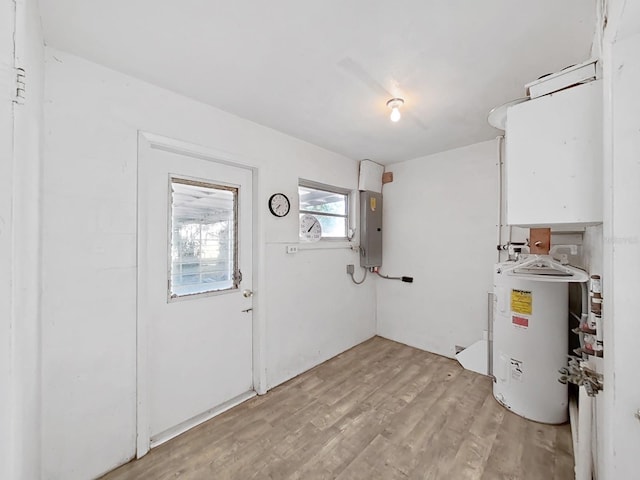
[(312, 225)]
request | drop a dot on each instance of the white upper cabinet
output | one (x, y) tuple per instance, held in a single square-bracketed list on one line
[(554, 158)]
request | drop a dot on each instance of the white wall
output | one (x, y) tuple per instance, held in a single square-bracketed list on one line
[(20, 137), (313, 309), (620, 430), (440, 226), (92, 116)]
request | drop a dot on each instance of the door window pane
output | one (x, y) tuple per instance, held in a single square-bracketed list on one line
[(203, 238)]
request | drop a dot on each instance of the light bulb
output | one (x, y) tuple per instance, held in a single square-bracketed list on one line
[(394, 104)]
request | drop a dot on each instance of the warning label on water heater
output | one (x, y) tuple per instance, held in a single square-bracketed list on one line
[(521, 302), (521, 322), (516, 370)]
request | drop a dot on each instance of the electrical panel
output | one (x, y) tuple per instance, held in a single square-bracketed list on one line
[(370, 229)]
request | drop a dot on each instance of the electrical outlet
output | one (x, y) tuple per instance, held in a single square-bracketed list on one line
[(292, 249), (350, 269)]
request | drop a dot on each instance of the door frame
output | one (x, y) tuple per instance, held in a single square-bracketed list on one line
[(10, 455), (146, 143)]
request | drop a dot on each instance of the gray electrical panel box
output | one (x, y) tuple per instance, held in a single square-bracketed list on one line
[(370, 229)]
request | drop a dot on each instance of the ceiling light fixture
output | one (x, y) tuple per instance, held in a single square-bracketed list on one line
[(394, 104)]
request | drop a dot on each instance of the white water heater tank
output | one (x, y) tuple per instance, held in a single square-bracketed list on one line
[(530, 341)]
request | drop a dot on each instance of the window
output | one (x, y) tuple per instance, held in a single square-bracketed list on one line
[(330, 205), (203, 238)]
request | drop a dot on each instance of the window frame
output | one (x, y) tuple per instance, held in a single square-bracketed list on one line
[(329, 189), (186, 180)]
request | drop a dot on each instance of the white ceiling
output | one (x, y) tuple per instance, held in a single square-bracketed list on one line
[(322, 71)]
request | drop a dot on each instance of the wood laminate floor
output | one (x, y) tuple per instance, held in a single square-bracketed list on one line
[(381, 410)]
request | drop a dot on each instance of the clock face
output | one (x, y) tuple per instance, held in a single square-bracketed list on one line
[(310, 228), (279, 204)]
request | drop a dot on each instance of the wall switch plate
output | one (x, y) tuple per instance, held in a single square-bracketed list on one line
[(292, 249)]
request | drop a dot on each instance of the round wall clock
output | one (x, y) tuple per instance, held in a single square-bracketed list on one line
[(310, 228), (279, 204)]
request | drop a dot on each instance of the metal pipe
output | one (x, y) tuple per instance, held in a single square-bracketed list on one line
[(501, 209), (583, 458), (573, 420), (500, 139), (490, 297)]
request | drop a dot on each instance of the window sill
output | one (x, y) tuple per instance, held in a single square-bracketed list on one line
[(328, 245)]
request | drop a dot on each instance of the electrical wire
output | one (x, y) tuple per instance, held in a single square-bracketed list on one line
[(376, 270), (386, 277), (363, 278)]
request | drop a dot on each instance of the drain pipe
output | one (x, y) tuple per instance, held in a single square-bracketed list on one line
[(501, 206), (490, 295), (499, 142), (585, 412), (490, 315)]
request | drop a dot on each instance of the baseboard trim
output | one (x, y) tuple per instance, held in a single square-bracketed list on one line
[(179, 429)]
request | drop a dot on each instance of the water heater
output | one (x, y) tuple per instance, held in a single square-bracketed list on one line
[(370, 229), (530, 336)]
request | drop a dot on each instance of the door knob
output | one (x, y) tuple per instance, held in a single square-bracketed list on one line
[(247, 293)]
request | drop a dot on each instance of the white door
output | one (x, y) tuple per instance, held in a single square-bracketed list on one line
[(194, 288)]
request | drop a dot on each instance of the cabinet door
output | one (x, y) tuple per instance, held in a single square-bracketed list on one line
[(554, 158)]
